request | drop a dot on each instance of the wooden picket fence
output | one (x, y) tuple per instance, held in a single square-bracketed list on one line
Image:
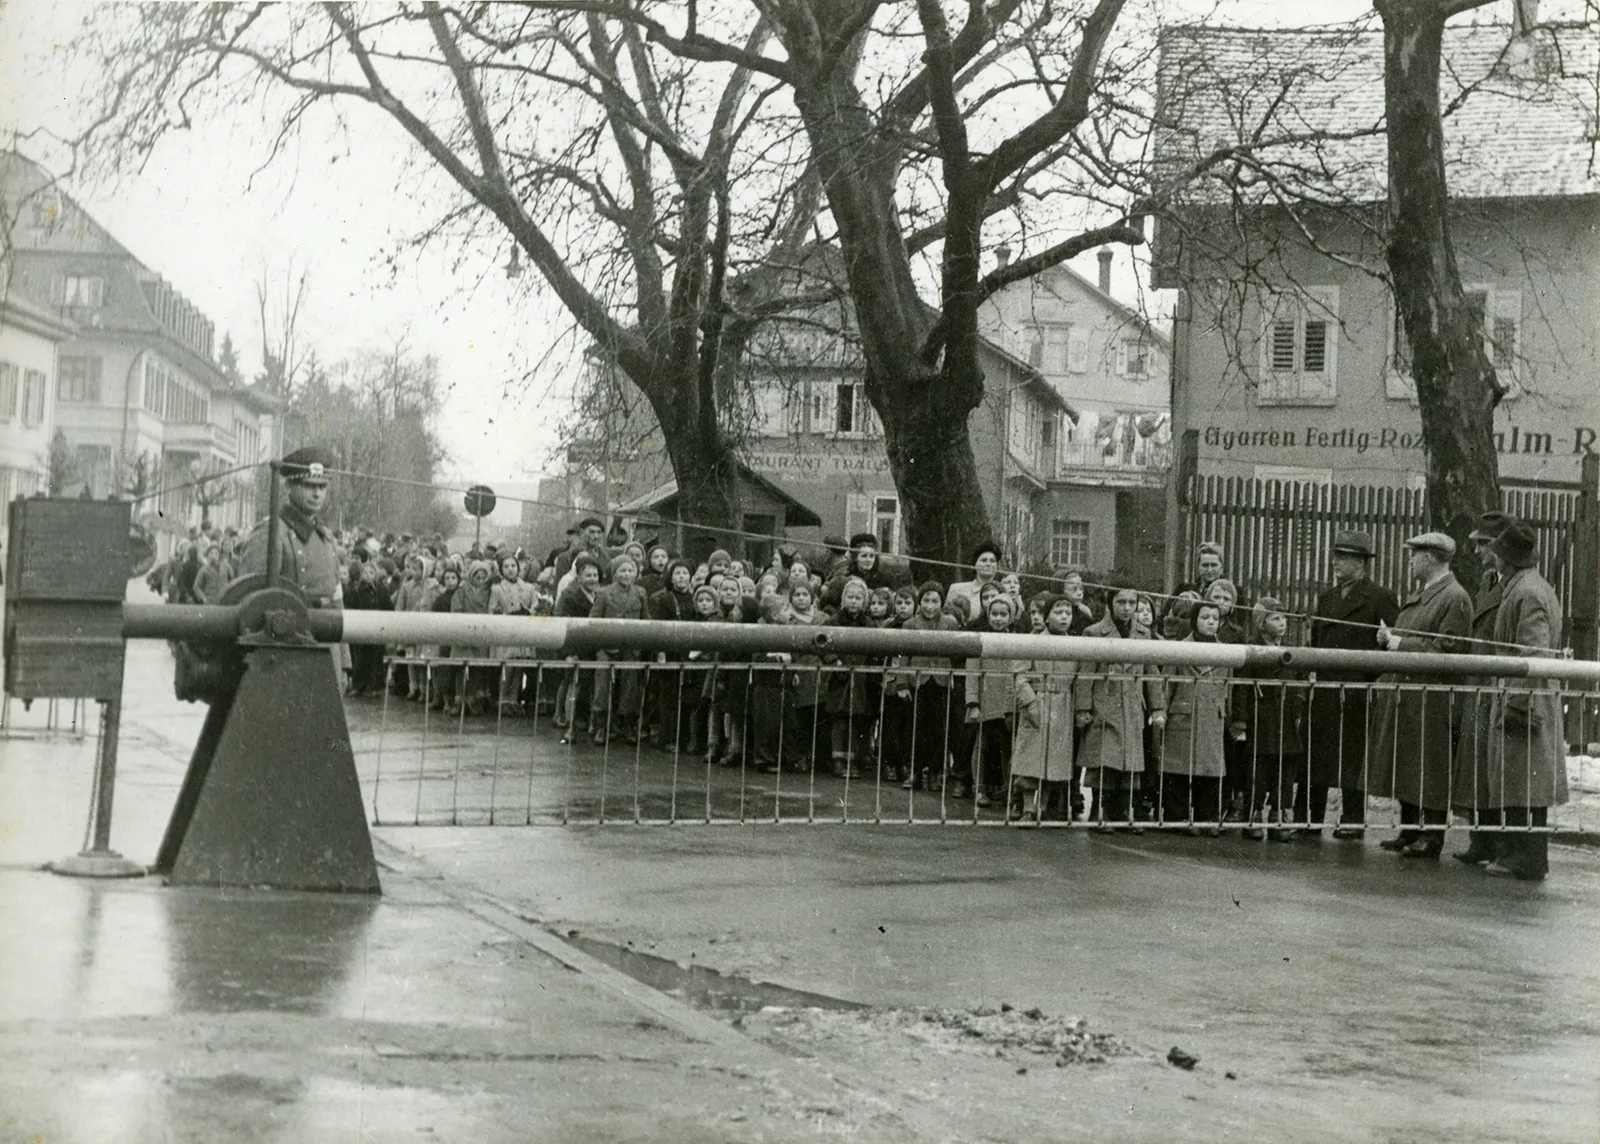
[(1277, 537)]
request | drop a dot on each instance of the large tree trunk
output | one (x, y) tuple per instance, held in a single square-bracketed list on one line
[(930, 456), (924, 406), (1457, 390)]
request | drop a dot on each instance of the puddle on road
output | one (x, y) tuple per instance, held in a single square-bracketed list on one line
[(702, 987)]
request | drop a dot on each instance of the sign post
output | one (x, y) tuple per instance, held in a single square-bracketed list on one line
[(479, 503)]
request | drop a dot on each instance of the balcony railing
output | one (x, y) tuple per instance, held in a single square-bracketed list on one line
[(1128, 442)]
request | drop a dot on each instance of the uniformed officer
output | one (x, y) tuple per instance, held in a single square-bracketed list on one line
[(307, 557)]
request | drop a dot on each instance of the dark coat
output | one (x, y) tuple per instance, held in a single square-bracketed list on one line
[(1197, 716), (1413, 738), (1470, 784), (1270, 703), (1336, 716), (1118, 705), (1527, 749)]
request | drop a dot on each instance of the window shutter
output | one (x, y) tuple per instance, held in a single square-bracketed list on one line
[(857, 513), (1320, 349), (58, 289), (769, 410), (822, 408), (1505, 340), (1036, 349), (8, 391), (1397, 380), (1077, 350), (1122, 358), (1277, 347)]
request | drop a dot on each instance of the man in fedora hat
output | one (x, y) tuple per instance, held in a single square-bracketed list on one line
[(1469, 784), (306, 553), (1414, 742), (1527, 766), (1348, 616)]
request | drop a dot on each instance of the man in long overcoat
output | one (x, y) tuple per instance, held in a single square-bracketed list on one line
[(1414, 742), (1348, 617), (1527, 754), (1470, 784)]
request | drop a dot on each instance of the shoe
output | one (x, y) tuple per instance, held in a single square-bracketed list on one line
[(598, 738), (910, 783), (960, 790), (1252, 834), (1497, 869), (1348, 833), (983, 800), (1281, 835), (1473, 856), (1395, 844), (1424, 848), (559, 723)]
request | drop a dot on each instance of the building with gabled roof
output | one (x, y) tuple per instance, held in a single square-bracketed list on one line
[(138, 392), (1289, 359)]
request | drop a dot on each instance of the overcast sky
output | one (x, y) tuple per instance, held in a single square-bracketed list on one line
[(206, 219)]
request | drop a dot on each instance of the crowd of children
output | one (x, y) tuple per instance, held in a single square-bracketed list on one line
[(1192, 745)]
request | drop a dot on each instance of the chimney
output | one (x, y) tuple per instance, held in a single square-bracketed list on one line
[(1105, 271), (1524, 17), (1002, 256)]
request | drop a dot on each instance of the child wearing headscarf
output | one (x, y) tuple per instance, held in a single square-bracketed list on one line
[(622, 599), (472, 598)]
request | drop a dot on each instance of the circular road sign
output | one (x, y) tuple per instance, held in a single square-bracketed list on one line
[(479, 500)]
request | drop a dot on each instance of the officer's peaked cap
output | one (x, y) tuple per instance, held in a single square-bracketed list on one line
[(307, 466)]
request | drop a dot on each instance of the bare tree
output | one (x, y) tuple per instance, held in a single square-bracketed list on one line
[(608, 163), (1457, 387)]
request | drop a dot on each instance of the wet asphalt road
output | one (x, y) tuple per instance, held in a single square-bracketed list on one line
[(1374, 999)]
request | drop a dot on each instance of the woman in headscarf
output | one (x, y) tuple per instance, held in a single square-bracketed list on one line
[(472, 598)]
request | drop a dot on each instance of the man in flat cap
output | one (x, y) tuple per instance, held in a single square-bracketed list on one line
[(306, 553), (1347, 618), (1527, 765), (1469, 785), (1414, 745)]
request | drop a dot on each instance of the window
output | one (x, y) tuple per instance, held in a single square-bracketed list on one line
[(1069, 543), (850, 415), (1498, 313), (777, 411), (1058, 347), (8, 391), (879, 514), (1299, 348), (93, 468), (33, 396), (81, 291), (79, 379), (1133, 358), (155, 388)]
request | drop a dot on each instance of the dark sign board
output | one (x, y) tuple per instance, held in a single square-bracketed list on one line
[(67, 565)]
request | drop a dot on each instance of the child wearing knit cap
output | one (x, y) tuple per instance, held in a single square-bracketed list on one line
[(622, 599)]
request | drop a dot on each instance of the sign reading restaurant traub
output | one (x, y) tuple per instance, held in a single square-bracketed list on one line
[(818, 463)]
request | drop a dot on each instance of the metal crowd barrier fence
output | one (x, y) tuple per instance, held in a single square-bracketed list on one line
[(840, 724), (492, 741)]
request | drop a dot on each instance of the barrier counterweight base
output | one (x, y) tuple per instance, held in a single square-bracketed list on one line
[(272, 798)]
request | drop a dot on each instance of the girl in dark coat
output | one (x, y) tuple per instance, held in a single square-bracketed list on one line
[(1268, 712)]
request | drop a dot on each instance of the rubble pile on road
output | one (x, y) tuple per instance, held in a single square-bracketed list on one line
[(986, 1030)]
